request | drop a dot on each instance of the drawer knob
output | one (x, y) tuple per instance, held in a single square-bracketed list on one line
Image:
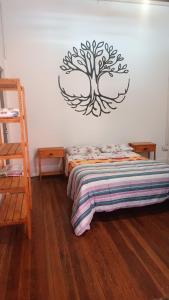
[(50, 154)]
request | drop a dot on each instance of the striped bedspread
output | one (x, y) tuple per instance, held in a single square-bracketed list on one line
[(111, 186)]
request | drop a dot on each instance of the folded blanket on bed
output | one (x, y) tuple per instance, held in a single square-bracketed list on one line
[(111, 186)]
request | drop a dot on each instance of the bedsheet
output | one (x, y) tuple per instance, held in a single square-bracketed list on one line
[(111, 186), (79, 159)]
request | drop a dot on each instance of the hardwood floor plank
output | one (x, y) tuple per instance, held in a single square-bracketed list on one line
[(163, 267), (24, 287), (138, 284), (152, 228), (123, 257), (77, 254), (146, 261), (57, 254), (13, 281), (39, 266), (6, 249), (108, 266)]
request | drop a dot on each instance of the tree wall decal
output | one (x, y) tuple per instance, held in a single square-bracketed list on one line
[(95, 60)]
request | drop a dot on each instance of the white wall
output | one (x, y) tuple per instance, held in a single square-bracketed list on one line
[(39, 33), (1, 40)]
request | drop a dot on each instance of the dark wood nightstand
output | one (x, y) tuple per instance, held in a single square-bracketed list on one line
[(144, 147), (51, 152)]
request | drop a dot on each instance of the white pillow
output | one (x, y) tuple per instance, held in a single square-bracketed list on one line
[(93, 150), (125, 147), (83, 150), (115, 148), (77, 150)]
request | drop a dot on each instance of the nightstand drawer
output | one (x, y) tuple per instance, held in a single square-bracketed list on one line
[(144, 148), (51, 152)]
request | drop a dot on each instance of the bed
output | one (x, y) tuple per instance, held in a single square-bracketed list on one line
[(125, 180)]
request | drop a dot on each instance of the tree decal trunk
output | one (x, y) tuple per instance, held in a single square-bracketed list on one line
[(95, 60)]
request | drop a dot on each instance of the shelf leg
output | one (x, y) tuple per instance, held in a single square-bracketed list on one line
[(29, 226)]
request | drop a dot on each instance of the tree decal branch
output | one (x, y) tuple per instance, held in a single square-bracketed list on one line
[(94, 60)]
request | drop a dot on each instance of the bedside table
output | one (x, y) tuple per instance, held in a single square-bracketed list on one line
[(51, 152), (141, 147)]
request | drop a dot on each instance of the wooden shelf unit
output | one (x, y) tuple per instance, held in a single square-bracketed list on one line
[(16, 203)]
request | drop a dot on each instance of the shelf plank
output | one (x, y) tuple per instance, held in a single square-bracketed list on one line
[(18, 208), (11, 151), (10, 212), (9, 84), (4, 208), (12, 184), (10, 120), (13, 209), (7, 182)]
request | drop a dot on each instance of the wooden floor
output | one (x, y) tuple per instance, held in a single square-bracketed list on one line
[(125, 255)]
